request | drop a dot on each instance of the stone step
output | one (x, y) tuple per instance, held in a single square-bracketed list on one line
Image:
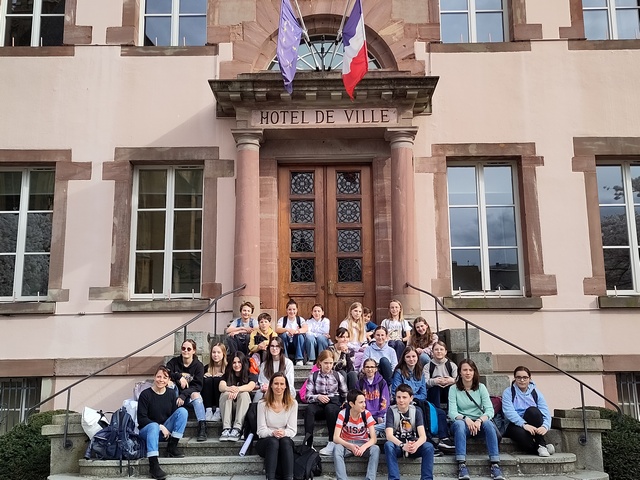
[(581, 475), (512, 465)]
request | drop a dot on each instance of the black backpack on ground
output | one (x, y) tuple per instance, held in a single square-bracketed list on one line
[(306, 460), (118, 440)]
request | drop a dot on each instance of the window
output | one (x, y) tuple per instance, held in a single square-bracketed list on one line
[(328, 54), (472, 21), (26, 213), (484, 227), (628, 393), (619, 202), (167, 232), (174, 23), (611, 19), (17, 396), (32, 22)]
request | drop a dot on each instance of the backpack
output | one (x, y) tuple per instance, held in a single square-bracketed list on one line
[(447, 365), (303, 389), (306, 460), (534, 394), (347, 413), (118, 440), (396, 422)]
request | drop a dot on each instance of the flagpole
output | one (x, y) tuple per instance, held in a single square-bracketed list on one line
[(339, 35), (307, 40)]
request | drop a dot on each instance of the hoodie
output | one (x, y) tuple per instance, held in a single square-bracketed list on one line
[(376, 395), (194, 374), (513, 410), (378, 353)]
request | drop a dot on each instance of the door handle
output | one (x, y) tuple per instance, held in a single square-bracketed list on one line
[(330, 287)]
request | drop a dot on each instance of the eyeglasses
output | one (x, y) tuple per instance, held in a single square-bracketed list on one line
[(186, 349), (522, 378)]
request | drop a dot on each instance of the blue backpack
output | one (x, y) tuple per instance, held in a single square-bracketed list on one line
[(118, 441)]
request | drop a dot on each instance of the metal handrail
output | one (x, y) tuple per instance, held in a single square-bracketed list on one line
[(66, 442), (583, 438)]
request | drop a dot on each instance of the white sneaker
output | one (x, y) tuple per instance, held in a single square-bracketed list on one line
[(217, 415), (328, 450), (208, 415), (543, 452), (299, 363), (551, 448)]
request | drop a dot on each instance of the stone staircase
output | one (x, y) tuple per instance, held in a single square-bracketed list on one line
[(213, 459)]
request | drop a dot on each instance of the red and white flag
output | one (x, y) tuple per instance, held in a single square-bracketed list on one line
[(355, 62)]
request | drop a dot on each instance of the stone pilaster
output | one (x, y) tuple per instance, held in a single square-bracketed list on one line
[(589, 453)]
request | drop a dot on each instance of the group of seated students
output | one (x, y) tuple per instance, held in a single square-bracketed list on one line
[(363, 391)]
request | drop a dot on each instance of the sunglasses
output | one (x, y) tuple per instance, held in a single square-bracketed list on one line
[(186, 349)]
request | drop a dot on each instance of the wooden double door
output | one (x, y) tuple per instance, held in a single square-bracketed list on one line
[(325, 238)]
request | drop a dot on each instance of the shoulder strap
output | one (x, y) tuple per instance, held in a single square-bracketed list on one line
[(449, 367), (432, 367), (315, 376), (534, 394), (475, 403), (412, 416), (299, 321)]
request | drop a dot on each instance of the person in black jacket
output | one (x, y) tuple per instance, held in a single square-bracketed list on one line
[(187, 372), (159, 416)]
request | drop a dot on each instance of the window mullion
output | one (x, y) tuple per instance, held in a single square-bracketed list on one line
[(134, 232), (22, 235), (168, 235), (631, 225), (613, 20), (473, 31), (175, 23), (482, 220), (35, 23)]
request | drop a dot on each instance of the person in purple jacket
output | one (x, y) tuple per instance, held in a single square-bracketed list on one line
[(376, 393)]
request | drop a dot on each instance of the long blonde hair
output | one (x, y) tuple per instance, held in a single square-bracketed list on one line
[(223, 363), (357, 328), (401, 314)]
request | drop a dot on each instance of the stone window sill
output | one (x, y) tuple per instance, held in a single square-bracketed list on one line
[(60, 51), (203, 51), (619, 302), (504, 303), (159, 305), (28, 308)]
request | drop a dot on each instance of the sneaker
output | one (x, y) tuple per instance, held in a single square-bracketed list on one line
[(299, 363), (463, 472), (551, 448), (217, 415), (437, 452), (496, 472), (543, 452), (328, 450), (234, 435), (446, 445), (225, 435), (208, 415)]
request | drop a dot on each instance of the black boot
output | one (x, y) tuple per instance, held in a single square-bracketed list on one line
[(202, 431), (172, 448), (154, 469)]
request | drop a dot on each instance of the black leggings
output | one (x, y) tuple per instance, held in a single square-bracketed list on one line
[(330, 410), (211, 392), (529, 443), (278, 457)]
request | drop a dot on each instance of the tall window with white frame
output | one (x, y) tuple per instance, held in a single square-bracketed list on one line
[(167, 232), (473, 21), (26, 215), (611, 19), (35, 23), (619, 200), (484, 223), (174, 23)]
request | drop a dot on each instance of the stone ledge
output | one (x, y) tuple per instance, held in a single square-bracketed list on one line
[(506, 303), (619, 302), (159, 305), (28, 308)]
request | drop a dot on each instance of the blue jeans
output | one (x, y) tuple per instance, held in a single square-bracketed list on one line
[(424, 359), (393, 452), (198, 407), (176, 424), (314, 345), (340, 453), (487, 430), (297, 341)]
